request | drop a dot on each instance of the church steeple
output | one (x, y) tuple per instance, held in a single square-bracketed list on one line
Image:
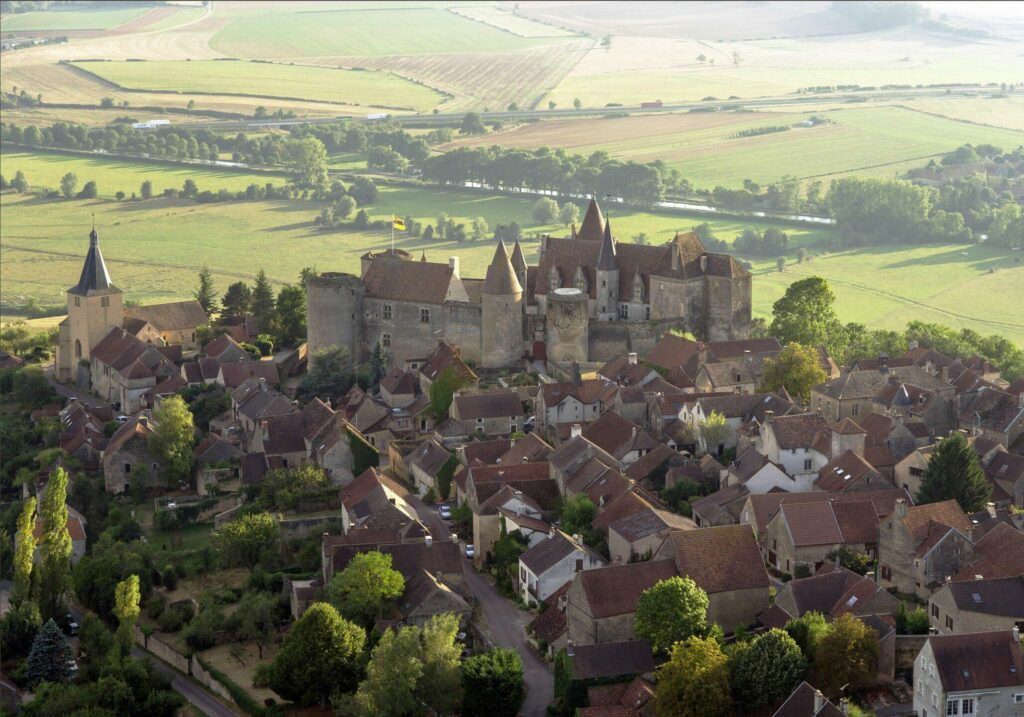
[(606, 260), (95, 276)]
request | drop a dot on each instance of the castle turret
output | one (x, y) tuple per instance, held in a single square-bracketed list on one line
[(95, 306), (519, 264), (593, 223), (501, 312), (334, 313), (607, 292)]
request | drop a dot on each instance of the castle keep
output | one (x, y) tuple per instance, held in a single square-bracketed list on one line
[(589, 298)]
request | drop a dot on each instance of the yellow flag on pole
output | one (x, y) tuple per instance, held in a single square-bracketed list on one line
[(397, 223)]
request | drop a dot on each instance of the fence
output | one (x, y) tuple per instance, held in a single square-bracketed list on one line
[(907, 648), (187, 666), (211, 683)]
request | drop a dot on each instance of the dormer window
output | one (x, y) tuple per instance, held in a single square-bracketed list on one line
[(638, 290)]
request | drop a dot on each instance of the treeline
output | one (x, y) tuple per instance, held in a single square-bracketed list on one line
[(758, 131), (385, 135), (118, 138), (550, 170)]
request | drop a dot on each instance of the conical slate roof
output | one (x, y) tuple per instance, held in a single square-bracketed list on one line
[(606, 260), (518, 260), (593, 223), (501, 277), (94, 272)]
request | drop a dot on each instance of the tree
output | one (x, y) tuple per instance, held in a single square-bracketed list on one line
[(263, 300), (480, 228), (344, 207), (55, 547), (19, 183), (146, 190), (714, 432), (578, 512), (442, 392), (954, 473), (670, 611), (49, 657), (641, 239), (237, 300), (805, 314), (363, 191), (172, 439), (365, 586), (796, 368), (912, 622), (545, 210), (694, 682), (258, 611), (569, 214), (767, 671), (204, 293), (246, 540), (845, 655), (440, 686), (806, 631), (24, 553), (126, 609), (780, 263), (551, 104), (859, 563), (330, 373), (320, 655), (310, 160), (577, 103), (18, 629), (391, 676), (471, 124), (492, 684), (291, 315), (378, 364), (190, 188), (68, 184)]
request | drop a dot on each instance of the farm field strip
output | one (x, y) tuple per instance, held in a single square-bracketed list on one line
[(516, 24), (56, 20), (258, 79)]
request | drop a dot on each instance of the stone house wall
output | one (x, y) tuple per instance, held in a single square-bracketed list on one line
[(942, 608), (734, 608)]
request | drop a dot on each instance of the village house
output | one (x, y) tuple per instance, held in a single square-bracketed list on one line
[(999, 553), (493, 414), (620, 438), (995, 414), (920, 546), (639, 535), (203, 370), (979, 674), (127, 456), (801, 535), (217, 466), (755, 472), (175, 322), (373, 500), (853, 394), (626, 370), (76, 531), (398, 388), (548, 630), (582, 401), (551, 563), (800, 443), (226, 350), (233, 374), (807, 701), (122, 369), (983, 605), (522, 487), (578, 461), (445, 356), (833, 591), (426, 463), (723, 507), (726, 563), (849, 472), (628, 699)]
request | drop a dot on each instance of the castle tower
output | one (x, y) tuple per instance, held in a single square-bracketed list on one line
[(567, 327), (334, 313), (593, 223), (607, 277), (519, 264), (501, 313), (95, 306)]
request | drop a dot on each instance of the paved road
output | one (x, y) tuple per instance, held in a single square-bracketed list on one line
[(192, 691), (506, 621)]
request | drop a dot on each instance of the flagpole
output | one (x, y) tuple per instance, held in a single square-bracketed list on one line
[(392, 235)]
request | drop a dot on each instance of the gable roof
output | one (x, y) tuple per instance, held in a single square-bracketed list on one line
[(644, 523), (978, 661), (530, 449), (429, 457), (948, 513), (798, 430), (617, 435), (552, 623), (999, 553), (615, 589), (235, 373), (173, 316), (719, 559), (992, 596), (802, 703), (137, 426), (446, 356), (613, 659), (488, 405), (422, 281), (398, 382), (843, 471), (551, 551), (765, 505)]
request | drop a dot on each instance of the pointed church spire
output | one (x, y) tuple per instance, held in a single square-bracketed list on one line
[(423, 256), (94, 272), (501, 277), (518, 260), (593, 223), (606, 260)]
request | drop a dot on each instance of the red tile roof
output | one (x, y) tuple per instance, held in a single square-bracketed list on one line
[(615, 589), (978, 661), (719, 559)]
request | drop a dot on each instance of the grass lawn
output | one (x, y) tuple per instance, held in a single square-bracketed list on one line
[(350, 87), (60, 19), (301, 31), (45, 169), (875, 141)]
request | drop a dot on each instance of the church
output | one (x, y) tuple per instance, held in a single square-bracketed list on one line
[(588, 299), (96, 307)]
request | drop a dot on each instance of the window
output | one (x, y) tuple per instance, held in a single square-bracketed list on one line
[(886, 572), (385, 340), (952, 707), (647, 312), (104, 301), (387, 312), (127, 467), (917, 472), (807, 464), (949, 622), (967, 706), (1018, 699), (603, 283), (856, 409), (579, 564), (78, 301), (828, 407), (78, 349), (623, 311), (638, 289), (935, 610), (424, 316)]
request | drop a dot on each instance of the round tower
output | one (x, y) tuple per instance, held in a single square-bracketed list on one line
[(567, 332), (501, 302), (334, 313)]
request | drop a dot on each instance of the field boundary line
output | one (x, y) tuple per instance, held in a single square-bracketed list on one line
[(961, 119)]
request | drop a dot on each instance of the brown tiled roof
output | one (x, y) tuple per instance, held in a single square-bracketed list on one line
[(719, 559), (75, 528), (425, 282), (674, 350), (284, 434), (530, 449), (978, 661), (488, 452), (550, 551), (842, 472), (999, 553), (946, 513), (614, 434), (254, 468), (620, 507), (445, 356), (811, 523), (175, 316), (113, 345), (440, 556), (615, 589), (214, 449), (488, 405), (992, 596), (747, 464), (135, 426), (996, 410), (713, 506), (622, 372), (798, 430), (551, 623), (224, 343), (857, 520), (235, 373), (315, 415), (398, 382), (651, 461), (429, 457), (613, 659), (801, 704), (588, 392), (530, 478), (873, 364), (649, 522), (765, 505)]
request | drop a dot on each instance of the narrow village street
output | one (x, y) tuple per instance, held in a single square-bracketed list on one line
[(505, 620)]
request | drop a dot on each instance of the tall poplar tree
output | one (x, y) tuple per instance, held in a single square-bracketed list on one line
[(25, 551), (55, 547)]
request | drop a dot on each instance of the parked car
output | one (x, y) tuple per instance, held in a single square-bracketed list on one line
[(469, 550), (122, 419), (68, 624), (446, 511)]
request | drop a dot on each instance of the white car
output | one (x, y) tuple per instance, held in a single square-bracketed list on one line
[(469, 550), (446, 512)]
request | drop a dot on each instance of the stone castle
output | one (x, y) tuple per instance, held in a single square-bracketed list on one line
[(588, 299)]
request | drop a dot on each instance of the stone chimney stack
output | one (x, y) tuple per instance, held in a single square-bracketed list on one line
[(631, 359), (901, 508), (883, 363), (912, 346), (453, 262), (945, 374), (990, 508), (819, 701), (576, 430), (748, 358)]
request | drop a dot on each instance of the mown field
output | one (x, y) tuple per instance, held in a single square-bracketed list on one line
[(92, 19), (350, 87), (516, 24), (302, 31), (44, 169), (874, 141), (155, 248)]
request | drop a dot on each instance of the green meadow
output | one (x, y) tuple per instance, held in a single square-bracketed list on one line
[(58, 19)]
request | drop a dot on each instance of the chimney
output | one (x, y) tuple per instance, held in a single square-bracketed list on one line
[(883, 363), (144, 421), (570, 649), (1016, 633), (263, 383), (1020, 399), (702, 353), (576, 430), (901, 508), (573, 234), (563, 600), (631, 359), (634, 432), (912, 345), (748, 358), (769, 415), (453, 262), (551, 531), (265, 431), (990, 508), (428, 540), (576, 538), (945, 374), (844, 706), (819, 701)]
